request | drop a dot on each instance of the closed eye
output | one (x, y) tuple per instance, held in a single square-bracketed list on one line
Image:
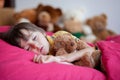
[(34, 38)]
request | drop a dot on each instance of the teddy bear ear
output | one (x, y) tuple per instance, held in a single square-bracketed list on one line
[(39, 7), (59, 11), (104, 16)]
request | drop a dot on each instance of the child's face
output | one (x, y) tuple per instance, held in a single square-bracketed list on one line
[(35, 42)]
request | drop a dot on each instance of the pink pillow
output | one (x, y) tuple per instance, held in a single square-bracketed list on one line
[(114, 39), (4, 28), (110, 59), (49, 33), (16, 64)]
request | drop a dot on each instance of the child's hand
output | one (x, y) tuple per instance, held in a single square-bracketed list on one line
[(37, 58), (49, 58), (44, 58)]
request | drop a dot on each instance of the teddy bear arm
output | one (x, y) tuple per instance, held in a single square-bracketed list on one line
[(85, 60), (96, 57), (81, 45)]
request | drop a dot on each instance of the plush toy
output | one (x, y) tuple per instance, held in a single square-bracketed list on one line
[(98, 25), (74, 23), (27, 15), (72, 20), (65, 44), (47, 16)]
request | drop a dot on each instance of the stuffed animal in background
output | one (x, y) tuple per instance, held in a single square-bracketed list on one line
[(67, 43), (72, 20), (74, 23), (26, 15), (47, 16), (98, 25)]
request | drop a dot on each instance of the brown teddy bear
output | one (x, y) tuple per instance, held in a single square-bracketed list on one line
[(47, 16), (26, 15), (66, 44), (99, 27)]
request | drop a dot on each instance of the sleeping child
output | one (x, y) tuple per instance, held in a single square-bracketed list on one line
[(32, 38)]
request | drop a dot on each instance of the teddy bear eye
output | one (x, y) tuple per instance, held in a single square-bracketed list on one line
[(72, 44)]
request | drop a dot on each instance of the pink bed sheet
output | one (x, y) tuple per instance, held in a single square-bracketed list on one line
[(16, 64), (110, 58), (114, 39)]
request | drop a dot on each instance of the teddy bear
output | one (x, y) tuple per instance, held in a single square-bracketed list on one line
[(26, 15), (47, 17), (74, 23), (67, 43), (98, 25)]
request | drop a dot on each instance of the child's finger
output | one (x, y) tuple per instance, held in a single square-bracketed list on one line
[(39, 59), (34, 59)]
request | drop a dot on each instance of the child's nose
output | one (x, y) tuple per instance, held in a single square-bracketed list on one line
[(32, 45)]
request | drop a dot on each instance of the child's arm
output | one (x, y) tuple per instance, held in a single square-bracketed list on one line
[(45, 58), (49, 58), (63, 58), (78, 54)]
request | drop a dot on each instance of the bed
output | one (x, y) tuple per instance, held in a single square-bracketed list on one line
[(16, 64)]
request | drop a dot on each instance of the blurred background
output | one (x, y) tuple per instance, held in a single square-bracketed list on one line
[(91, 8)]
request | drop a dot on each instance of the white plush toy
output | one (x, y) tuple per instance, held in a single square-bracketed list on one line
[(89, 36), (74, 23)]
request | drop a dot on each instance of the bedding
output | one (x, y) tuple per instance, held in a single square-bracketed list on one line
[(110, 58), (114, 39), (16, 64), (4, 28)]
